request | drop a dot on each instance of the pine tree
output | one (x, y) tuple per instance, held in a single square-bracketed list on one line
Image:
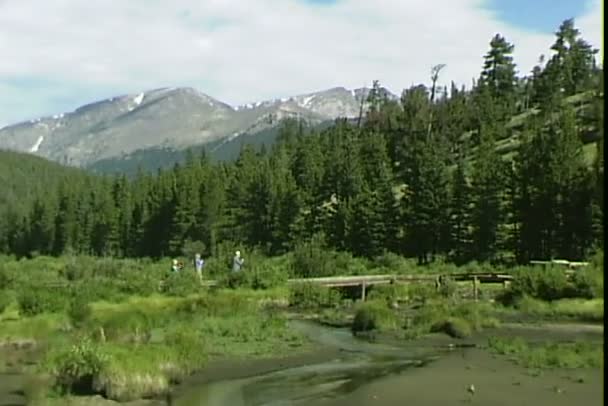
[(499, 74), (210, 215), (121, 192), (487, 187), (460, 208), (184, 206), (41, 230), (65, 222), (428, 202)]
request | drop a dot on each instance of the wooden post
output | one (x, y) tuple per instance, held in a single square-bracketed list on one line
[(475, 291), (363, 291)]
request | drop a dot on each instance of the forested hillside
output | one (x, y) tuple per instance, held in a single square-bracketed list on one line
[(23, 178), (493, 173)]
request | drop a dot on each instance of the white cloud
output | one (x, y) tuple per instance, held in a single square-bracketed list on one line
[(246, 50)]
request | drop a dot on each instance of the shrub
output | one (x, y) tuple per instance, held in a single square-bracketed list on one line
[(181, 283), (79, 310), (140, 282), (5, 280), (373, 315), (6, 298), (128, 326), (234, 280), (76, 369), (36, 300), (547, 283), (311, 259), (343, 263), (448, 287), (309, 295), (268, 277), (454, 327), (393, 263), (99, 289), (191, 248), (589, 281), (188, 346)]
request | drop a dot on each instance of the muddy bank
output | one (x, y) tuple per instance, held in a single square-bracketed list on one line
[(554, 332), (497, 382), (432, 370), (228, 369), (11, 390)]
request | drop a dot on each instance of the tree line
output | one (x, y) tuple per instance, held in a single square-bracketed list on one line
[(497, 172)]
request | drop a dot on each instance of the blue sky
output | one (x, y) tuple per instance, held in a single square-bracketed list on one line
[(536, 15), (58, 54)]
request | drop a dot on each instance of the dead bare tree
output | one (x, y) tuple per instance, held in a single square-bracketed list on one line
[(435, 70)]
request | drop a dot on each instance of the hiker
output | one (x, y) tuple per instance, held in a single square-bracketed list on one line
[(198, 265), (237, 262)]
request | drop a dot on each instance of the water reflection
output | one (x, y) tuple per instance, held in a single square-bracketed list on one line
[(361, 363)]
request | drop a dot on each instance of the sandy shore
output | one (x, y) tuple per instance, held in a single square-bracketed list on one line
[(497, 382)]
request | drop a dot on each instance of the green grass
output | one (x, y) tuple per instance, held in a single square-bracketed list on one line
[(564, 309), (34, 328), (549, 355), (139, 346), (375, 315)]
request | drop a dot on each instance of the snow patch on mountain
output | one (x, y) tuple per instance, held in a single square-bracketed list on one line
[(138, 99), (36, 146)]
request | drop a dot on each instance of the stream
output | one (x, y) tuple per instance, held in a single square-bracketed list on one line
[(358, 363)]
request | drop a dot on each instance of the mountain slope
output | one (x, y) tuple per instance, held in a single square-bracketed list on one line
[(173, 118)]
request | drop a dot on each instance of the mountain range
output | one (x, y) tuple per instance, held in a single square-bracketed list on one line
[(168, 119)]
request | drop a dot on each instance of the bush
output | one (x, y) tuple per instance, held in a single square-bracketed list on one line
[(5, 280), (389, 293), (36, 300), (311, 259), (76, 369), (188, 345), (589, 281), (79, 310), (268, 277), (191, 248), (373, 315), (235, 280), (393, 263), (133, 281), (454, 327), (547, 283), (448, 287), (6, 298), (98, 289), (181, 283), (310, 295), (223, 304), (133, 326)]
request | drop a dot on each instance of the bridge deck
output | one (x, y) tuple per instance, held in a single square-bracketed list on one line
[(369, 280)]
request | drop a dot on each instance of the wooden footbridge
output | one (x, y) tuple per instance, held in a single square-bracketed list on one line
[(365, 281), (476, 278)]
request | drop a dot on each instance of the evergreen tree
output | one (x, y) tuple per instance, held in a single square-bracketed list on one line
[(41, 230), (460, 208), (427, 214), (487, 188), (499, 75)]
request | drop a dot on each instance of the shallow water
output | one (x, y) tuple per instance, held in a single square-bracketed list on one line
[(358, 364)]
